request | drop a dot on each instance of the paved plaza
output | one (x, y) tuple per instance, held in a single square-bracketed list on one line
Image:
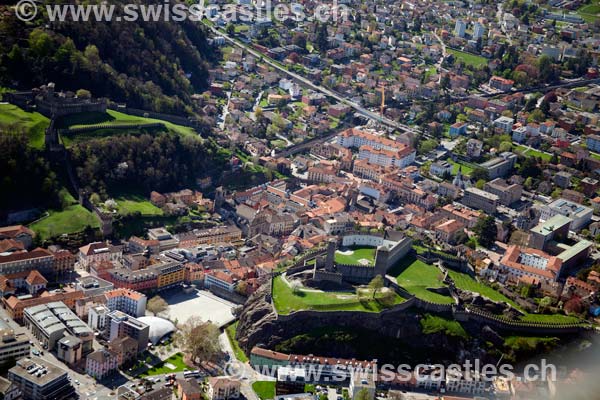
[(200, 303)]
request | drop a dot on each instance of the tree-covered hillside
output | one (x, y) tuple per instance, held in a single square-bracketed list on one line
[(150, 65)]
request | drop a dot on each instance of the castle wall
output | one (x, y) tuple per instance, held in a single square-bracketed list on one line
[(400, 249), (356, 273), (320, 276), (362, 240)]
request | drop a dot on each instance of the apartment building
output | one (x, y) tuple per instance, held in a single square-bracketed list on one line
[(119, 325), (19, 233), (440, 168), (321, 174), (593, 143), (471, 383), (223, 388), (219, 234), (97, 317), (580, 215), (126, 300), (364, 169), (97, 252), (13, 345), (24, 261), (101, 363), (468, 217), (507, 193), (168, 274), (338, 223), (30, 281), (138, 280), (499, 167), (400, 157), (222, 279), (479, 199), (39, 379), (125, 348)]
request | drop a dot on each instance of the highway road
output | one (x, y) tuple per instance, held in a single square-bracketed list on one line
[(308, 83)]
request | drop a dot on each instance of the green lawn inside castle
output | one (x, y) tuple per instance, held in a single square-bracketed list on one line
[(290, 296), (356, 256)]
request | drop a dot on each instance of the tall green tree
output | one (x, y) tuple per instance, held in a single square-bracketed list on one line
[(376, 284), (322, 36), (486, 230)]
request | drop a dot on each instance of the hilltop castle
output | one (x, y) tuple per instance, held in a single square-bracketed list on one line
[(391, 247), (55, 104)]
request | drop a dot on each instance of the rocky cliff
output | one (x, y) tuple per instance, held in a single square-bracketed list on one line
[(260, 325)]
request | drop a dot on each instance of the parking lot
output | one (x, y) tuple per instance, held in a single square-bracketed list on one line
[(199, 303)]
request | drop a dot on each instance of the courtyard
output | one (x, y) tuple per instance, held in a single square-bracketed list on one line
[(199, 303), (356, 256)]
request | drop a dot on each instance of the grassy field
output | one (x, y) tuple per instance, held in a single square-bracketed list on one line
[(554, 319), (72, 219), (279, 143), (115, 117), (287, 301), (431, 324), (359, 253), (134, 203), (239, 353), (34, 124), (415, 276), (176, 360), (465, 282), (468, 58), (526, 151), (590, 12), (264, 389), (466, 168)]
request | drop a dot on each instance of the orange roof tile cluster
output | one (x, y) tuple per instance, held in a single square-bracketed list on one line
[(512, 259), (450, 226), (11, 232), (11, 245), (578, 283), (25, 255), (122, 292)]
